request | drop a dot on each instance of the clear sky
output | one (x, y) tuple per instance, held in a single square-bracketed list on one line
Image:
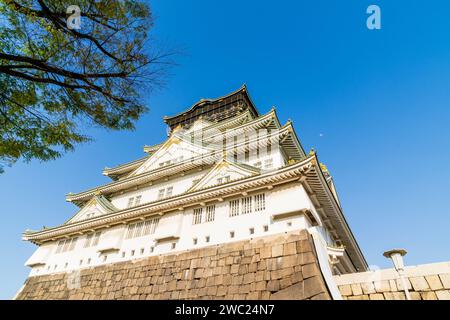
[(374, 104)]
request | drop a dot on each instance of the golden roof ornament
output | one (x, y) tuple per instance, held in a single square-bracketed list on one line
[(177, 128), (324, 168), (312, 152)]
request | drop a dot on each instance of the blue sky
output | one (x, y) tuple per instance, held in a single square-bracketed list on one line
[(374, 104)]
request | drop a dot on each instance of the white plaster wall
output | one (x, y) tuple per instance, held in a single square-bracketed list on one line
[(180, 185), (179, 223)]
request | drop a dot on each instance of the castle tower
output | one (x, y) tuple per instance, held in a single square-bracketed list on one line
[(229, 206)]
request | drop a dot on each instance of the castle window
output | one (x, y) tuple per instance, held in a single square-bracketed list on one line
[(89, 261), (152, 249), (150, 226), (173, 245), (234, 208), (246, 205), (81, 262), (260, 202), (60, 246), (257, 164), (92, 239), (130, 202), (142, 228), (207, 238), (210, 213), (138, 229), (96, 239), (138, 200), (87, 242), (105, 257), (197, 217), (132, 253), (266, 228), (142, 250), (123, 254), (165, 193), (66, 245), (65, 265), (231, 234), (73, 242), (195, 241), (252, 230), (130, 231), (224, 179)]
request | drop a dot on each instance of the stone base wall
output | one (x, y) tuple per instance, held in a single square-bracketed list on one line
[(424, 282), (273, 267)]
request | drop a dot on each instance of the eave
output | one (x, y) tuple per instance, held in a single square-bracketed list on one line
[(328, 207), (306, 172), (281, 176), (233, 122), (269, 120), (188, 164), (124, 168), (236, 122), (172, 120), (152, 149)]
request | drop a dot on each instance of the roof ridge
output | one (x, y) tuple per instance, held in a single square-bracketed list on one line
[(242, 88)]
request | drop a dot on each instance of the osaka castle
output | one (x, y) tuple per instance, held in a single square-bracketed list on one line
[(229, 206)]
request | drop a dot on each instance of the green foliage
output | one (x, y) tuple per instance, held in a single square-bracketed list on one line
[(54, 80)]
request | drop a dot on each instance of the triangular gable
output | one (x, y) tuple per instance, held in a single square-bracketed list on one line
[(223, 172), (176, 149), (95, 207)]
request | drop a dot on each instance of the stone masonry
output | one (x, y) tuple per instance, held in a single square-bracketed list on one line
[(272, 267), (424, 282)]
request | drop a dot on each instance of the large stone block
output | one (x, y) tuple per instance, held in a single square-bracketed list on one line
[(310, 270), (445, 279), (346, 290), (419, 283), (434, 282), (382, 286), (376, 296), (428, 295), (356, 289), (368, 287)]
